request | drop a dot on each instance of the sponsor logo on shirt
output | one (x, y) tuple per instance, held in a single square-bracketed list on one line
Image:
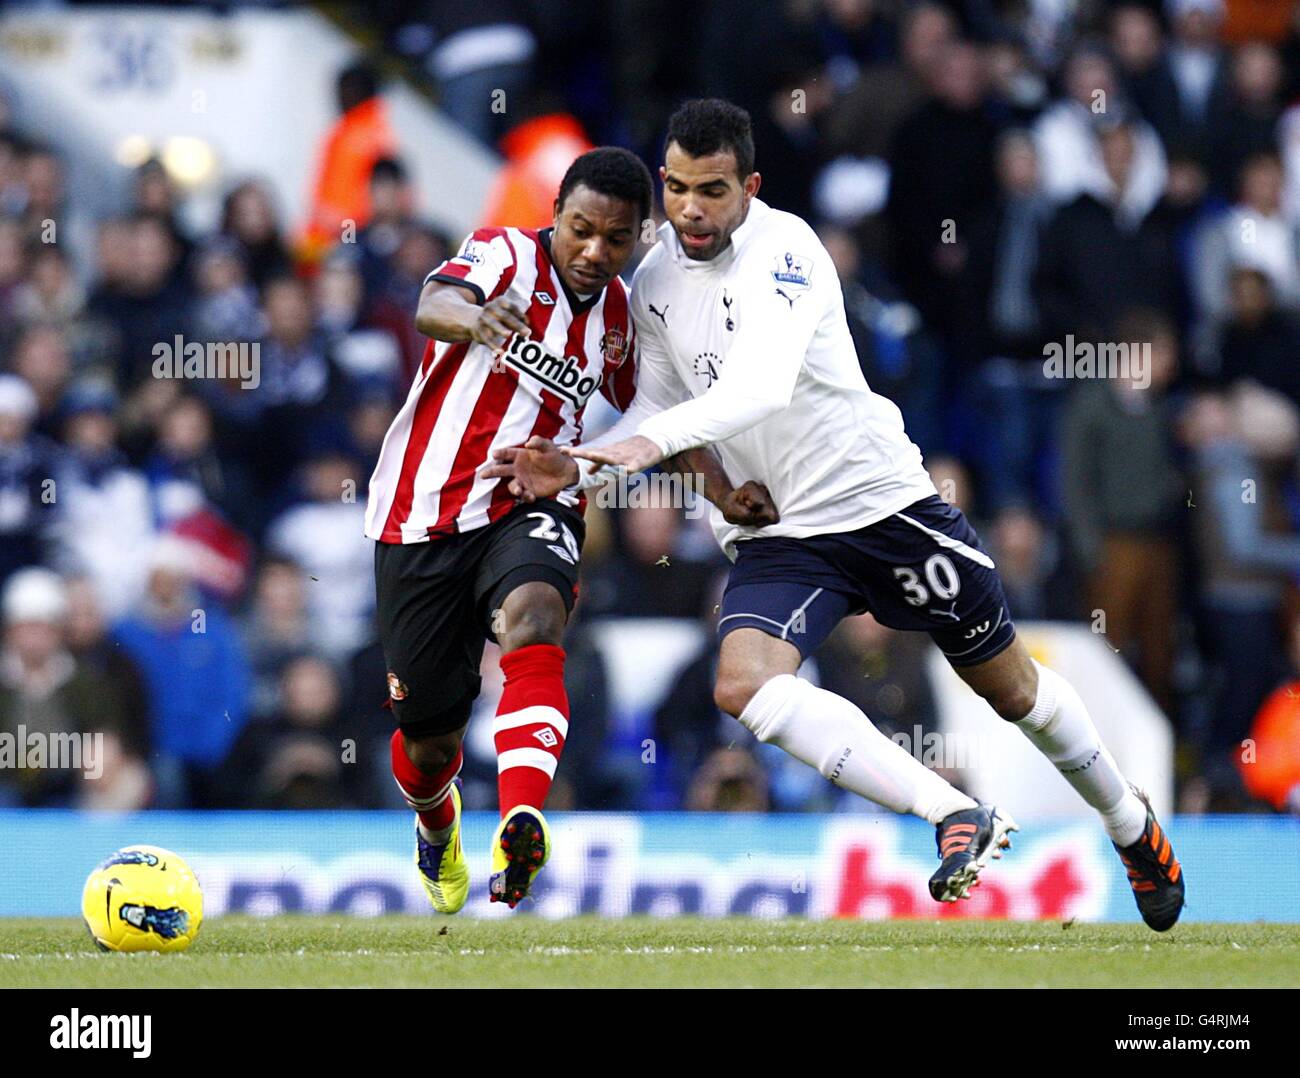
[(562, 375), (706, 366)]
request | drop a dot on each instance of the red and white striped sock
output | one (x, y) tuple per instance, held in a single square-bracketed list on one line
[(428, 795), (531, 724)]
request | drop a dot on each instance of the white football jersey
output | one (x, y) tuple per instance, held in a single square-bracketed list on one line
[(750, 352)]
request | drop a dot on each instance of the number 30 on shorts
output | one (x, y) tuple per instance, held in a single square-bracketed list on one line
[(940, 574)]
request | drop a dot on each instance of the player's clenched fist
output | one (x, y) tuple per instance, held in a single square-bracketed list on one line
[(749, 505), (498, 321)]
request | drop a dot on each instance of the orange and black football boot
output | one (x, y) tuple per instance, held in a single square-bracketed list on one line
[(966, 840), (1154, 873)]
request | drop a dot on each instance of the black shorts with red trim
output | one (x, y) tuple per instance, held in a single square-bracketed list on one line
[(437, 604)]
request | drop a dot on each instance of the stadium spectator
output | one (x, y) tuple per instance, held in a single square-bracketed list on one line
[(305, 755), (942, 175), (420, 248), (87, 638), (883, 672), (1003, 335), (899, 356), (249, 218), (225, 307), (1104, 252), (482, 54), (730, 780), (1269, 762), (864, 120), (26, 466), (46, 693), (13, 261), (359, 138), (392, 212), (42, 360), (299, 387), (1250, 124), (197, 675), (140, 294), (1244, 452), (1125, 498), (361, 350), (1182, 88), (103, 522), (184, 469), (1259, 342), (325, 535), (1255, 233), (653, 578), (1070, 154), (1032, 565), (538, 150), (275, 629), (156, 195)]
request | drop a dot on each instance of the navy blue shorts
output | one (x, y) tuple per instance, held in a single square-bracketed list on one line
[(922, 569)]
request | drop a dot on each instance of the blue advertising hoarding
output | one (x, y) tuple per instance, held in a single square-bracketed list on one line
[(663, 864)]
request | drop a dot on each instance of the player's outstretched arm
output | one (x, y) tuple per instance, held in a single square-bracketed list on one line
[(634, 454), (539, 469), (448, 312)]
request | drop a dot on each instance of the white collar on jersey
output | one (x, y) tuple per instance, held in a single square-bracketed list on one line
[(758, 209)]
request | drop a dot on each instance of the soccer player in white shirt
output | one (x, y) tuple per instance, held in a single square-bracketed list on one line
[(743, 344)]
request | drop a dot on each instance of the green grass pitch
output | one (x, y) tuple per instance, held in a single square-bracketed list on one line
[(526, 951)]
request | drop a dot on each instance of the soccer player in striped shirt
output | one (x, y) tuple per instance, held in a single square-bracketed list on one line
[(526, 327)]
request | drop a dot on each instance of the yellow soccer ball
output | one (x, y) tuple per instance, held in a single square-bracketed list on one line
[(143, 898)]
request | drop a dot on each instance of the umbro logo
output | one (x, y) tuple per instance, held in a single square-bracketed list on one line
[(560, 552), (544, 298), (547, 737)]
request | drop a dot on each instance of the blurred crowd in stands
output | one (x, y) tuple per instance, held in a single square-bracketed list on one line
[(182, 562)]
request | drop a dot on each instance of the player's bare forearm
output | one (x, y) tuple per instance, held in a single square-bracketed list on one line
[(749, 504), (702, 462), (450, 313)]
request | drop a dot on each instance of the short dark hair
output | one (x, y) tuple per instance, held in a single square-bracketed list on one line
[(356, 83), (708, 125), (609, 170), (390, 169)]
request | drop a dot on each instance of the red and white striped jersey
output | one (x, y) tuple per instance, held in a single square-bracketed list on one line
[(467, 400)]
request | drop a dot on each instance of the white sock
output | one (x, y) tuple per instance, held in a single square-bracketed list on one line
[(1062, 730), (831, 734)]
